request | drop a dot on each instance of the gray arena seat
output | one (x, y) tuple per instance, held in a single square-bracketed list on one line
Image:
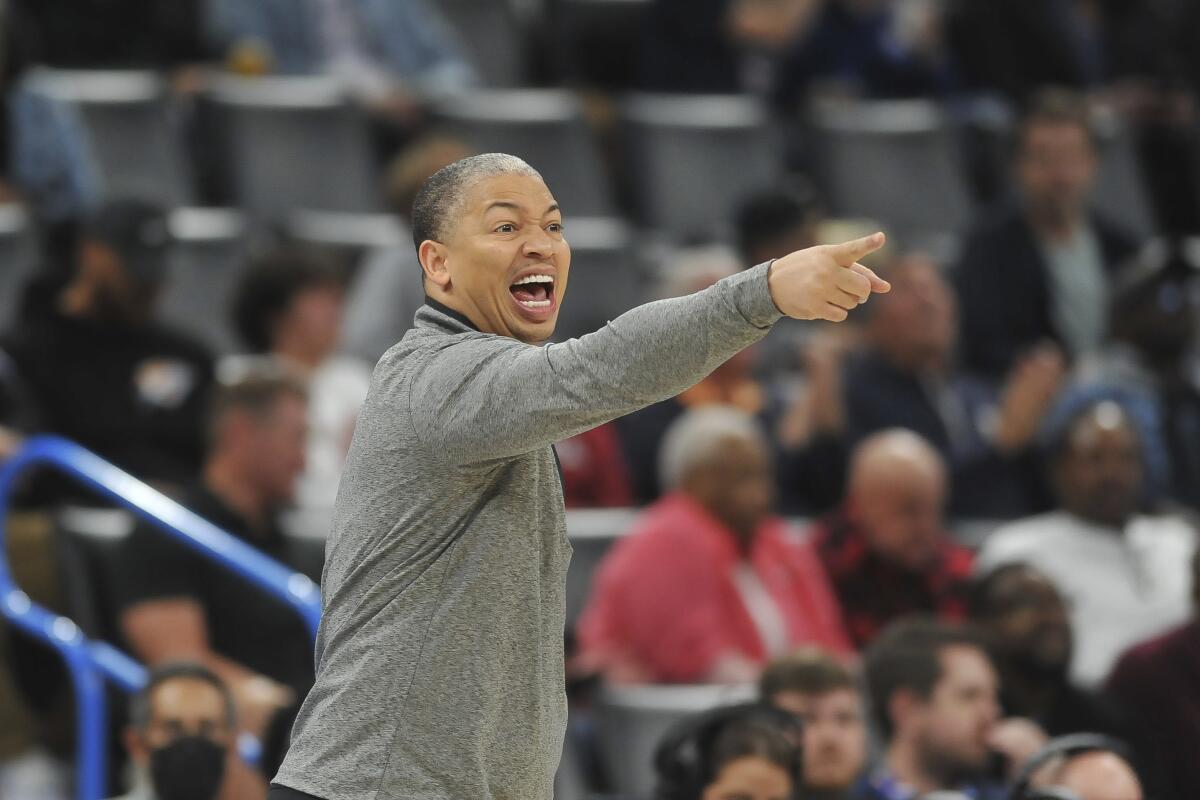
[(631, 720), (693, 158), (205, 264), (295, 143), (894, 161), (591, 532), (491, 36), (1120, 192), (132, 129), (547, 128), (88, 549), (18, 259), (607, 277)]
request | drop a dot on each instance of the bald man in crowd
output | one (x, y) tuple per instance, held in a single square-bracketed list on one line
[(885, 549), (440, 669)]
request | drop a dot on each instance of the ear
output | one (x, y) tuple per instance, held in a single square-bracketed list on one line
[(434, 262), (902, 707), (135, 746)]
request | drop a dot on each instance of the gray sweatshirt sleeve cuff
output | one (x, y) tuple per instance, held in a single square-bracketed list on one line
[(752, 296)]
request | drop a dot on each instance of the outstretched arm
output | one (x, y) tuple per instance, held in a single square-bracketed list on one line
[(488, 397)]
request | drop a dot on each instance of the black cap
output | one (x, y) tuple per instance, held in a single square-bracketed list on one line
[(139, 233)]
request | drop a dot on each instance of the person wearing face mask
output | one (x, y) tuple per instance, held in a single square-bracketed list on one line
[(181, 739)]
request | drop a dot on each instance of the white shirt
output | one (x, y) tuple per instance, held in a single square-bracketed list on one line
[(335, 394), (1122, 587)]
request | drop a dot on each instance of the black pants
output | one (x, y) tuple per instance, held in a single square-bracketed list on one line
[(284, 793)]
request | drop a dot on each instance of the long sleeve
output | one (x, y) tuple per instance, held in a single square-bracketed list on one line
[(486, 397)]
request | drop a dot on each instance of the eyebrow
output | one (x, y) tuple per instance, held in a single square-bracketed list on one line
[(515, 207)]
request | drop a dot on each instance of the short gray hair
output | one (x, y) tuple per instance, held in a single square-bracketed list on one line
[(696, 438), (443, 194)]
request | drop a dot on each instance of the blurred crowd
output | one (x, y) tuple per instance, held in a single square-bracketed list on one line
[(940, 540)]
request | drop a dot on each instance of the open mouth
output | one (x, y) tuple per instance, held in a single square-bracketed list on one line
[(534, 292)]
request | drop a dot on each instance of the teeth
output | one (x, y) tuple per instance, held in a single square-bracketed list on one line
[(534, 279), (535, 303)]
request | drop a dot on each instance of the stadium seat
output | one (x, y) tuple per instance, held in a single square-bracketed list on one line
[(1120, 193), (606, 277), (295, 143), (133, 134), (547, 128), (591, 532), (88, 542), (894, 161), (206, 263), (631, 720), (18, 258), (491, 37), (693, 158)]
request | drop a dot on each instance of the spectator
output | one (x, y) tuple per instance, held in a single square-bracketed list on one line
[(934, 699), (734, 752), (1028, 628), (1154, 328), (781, 49), (1155, 683), (906, 377), (1041, 270), (111, 34), (824, 693), (885, 550), (1096, 774), (178, 605), (1123, 574), (100, 370), (593, 468), (289, 306), (708, 586), (383, 50), (182, 739), (388, 289), (45, 160)]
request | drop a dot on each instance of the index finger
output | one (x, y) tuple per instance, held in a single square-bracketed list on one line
[(849, 252)]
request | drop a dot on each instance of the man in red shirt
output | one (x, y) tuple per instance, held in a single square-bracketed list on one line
[(709, 586), (885, 550)]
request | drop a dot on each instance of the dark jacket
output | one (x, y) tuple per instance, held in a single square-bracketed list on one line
[(1003, 289)]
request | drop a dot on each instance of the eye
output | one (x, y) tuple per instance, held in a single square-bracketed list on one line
[(555, 227), (507, 227)]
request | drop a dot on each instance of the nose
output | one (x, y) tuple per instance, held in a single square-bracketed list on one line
[(538, 244)]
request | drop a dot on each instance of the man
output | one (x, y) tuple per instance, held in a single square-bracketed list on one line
[(1124, 574), (177, 605), (824, 693), (1028, 627), (100, 370), (445, 575), (1041, 270), (933, 695), (709, 586), (906, 377), (182, 738), (886, 550), (1155, 683)]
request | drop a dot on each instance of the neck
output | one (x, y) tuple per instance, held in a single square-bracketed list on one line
[(905, 766), (229, 484), (296, 354), (1056, 228)]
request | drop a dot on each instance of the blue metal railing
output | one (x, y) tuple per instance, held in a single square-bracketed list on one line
[(90, 662)]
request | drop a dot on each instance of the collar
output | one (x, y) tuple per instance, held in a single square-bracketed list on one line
[(464, 323)]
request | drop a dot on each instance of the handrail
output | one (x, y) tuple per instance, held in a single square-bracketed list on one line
[(90, 662)]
